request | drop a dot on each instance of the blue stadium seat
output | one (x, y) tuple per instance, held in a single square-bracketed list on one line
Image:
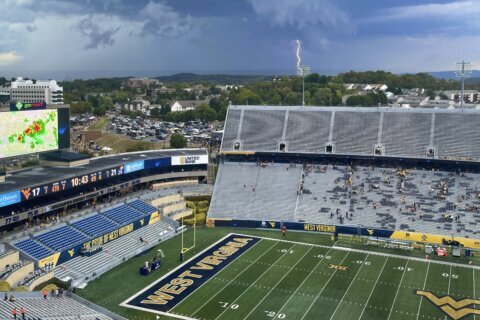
[(142, 206), (33, 248), (123, 215), (95, 225), (62, 238)]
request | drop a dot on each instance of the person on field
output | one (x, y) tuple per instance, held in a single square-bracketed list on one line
[(284, 231)]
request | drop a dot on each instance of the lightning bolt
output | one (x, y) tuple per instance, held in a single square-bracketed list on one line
[(299, 60)]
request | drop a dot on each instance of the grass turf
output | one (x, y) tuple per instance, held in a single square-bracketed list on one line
[(286, 280)]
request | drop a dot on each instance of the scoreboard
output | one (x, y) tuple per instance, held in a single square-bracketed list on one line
[(58, 186), (77, 181)]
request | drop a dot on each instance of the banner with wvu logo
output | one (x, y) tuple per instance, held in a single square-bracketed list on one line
[(352, 230), (172, 288), (266, 224), (68, 254)]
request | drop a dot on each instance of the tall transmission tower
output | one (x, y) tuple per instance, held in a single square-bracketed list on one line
[(463, 70)]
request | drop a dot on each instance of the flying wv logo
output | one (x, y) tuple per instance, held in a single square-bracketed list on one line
[(455, 309)]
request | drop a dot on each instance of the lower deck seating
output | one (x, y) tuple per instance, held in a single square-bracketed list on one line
[(382, 198), (51, 308), (33, 248), (123, 215), (142, 206), (84, 269), (61, 238)]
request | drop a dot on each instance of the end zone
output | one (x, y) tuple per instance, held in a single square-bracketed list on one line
[(171, 289)]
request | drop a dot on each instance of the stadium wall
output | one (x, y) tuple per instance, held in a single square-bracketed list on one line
[(350, 230), (63, 256)]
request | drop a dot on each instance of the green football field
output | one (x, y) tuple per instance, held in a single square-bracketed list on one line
[(290, 280), (303, 277)]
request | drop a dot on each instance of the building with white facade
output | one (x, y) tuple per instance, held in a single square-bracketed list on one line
[(469, 95), (30, 91), (185, 105)]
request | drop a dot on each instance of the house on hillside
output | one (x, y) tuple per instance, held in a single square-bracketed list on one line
[(366, 87), (185, 105), (135, 105)]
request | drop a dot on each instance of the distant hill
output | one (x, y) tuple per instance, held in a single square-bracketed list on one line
[(213, 78), (450, 75)]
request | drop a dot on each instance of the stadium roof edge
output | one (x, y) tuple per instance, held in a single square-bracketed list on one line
[(33, 176), (352, 109)]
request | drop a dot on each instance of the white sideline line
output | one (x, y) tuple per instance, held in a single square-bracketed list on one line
[(348, 250), (449, 281), (318, 295), (301, 284), (238, 275), (255, 281), (346, 291), (424, 285), (398, 289), (373, 289), (278, 282), (367, 252), (168, 314)]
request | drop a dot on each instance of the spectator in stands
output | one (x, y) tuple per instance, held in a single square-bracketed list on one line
[(14, 313), (6, 297), (44, 293), (23, 311), (12, 298)]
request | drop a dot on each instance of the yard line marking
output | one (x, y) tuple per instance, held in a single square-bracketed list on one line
[(373, 289), (278, 282), (398, 289), (358, 271), (382, 254), (256, 280), (301, 284), (318, 295), (474, 296), (252, 264), (125, 304), (449, 281), (424, 285)]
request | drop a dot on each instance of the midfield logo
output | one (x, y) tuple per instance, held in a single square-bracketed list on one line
[(455, 309), (337, 267)]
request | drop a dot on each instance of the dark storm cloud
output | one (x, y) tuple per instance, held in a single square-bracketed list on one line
[(96, 36), (236, 35)]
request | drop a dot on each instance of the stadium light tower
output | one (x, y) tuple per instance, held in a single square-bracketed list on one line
[(464, 70), (302, 70)]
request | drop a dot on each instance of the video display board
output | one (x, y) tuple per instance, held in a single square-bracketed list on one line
[(9, 198), (33, 131), (57, 186)]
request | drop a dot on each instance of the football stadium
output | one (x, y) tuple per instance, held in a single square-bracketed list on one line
[(306, 213)]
